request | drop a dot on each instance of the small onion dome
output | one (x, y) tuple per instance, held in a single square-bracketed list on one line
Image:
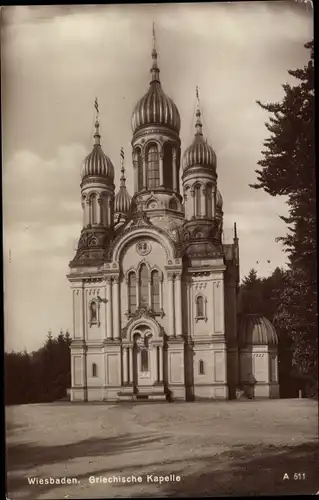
[(97, 163), (199, 153), (156, 108), (219, 200), (122, 200), (255, 329)]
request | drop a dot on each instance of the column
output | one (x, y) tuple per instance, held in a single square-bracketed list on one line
[(144, 172), (84, 214), (99, 218), (81, 333), (171, 307), (109, 309), (130, 352), (160, 363), (87, 212), (194, 204), (203, 202), (150, 293), (161, 168), (178, 305), (116, 307), (161, 293), (110, 215), (84, 373), (185, 206), (135, 167), (175, 181), (137, 291), (125, 365)]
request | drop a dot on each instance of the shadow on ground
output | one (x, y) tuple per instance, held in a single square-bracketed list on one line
[(25, 456), (250, 471), (241, 471)]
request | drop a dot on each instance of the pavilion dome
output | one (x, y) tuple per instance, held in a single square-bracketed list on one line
[(255, 329)]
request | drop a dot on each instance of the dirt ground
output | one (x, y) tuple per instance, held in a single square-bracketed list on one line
[(205, 449)]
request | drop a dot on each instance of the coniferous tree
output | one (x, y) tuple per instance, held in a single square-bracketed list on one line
[(288, 168)]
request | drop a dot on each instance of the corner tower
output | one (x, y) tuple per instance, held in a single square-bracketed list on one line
[(202, 200), (97, 196), (156, 149)]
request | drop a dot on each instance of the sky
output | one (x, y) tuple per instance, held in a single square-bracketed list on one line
[(57, 59)]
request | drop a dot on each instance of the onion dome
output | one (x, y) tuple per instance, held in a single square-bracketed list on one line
[(219, 200), (122, 200), (97, 163), (155, 107), (200, 152), (255, 329)]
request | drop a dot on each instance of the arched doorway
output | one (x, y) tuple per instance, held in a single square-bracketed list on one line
[(144, 362), (143, 354)]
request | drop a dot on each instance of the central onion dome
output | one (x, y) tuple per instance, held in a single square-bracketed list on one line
[(255, 329), (199, 152), (156, 108), (122, 200), (97, 163)]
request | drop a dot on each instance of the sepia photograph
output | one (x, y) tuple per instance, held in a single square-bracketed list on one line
[(159, 214)]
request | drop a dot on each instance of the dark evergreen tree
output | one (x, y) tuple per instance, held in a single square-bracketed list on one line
[(43, 375), (250, 295), (288, 168)]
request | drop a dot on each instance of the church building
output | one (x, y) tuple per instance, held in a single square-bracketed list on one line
[(154, 287)]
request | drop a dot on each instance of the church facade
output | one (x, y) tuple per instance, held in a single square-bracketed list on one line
[(155, 289)]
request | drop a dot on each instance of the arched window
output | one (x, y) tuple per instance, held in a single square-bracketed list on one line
[(93, 312), (143, 286), (153, 177), (144, 360), (209, 201), (93, 209), (139, 166), (200, 306), (197, 201), (201, 367), (168, 166), (94, 370), (155, 291), (132, 292), (173, 204)]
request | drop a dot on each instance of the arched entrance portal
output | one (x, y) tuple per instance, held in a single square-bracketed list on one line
[(143, 357), (145, 340)]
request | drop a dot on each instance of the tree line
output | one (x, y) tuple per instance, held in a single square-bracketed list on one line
[(40, 376)]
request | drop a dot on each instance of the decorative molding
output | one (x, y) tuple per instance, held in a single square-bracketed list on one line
[(92, 280), (200, 274), (142, 313), (143, 247), (200, 286)]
